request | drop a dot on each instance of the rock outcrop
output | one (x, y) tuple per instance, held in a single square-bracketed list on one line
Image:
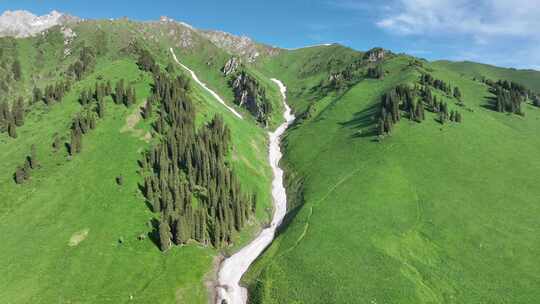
[(375, 54), (21, 24), (250, 95), (239, 45), (231, 66)]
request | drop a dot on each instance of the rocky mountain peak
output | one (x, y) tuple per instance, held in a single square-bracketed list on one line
[(22, 23), (241, 46)]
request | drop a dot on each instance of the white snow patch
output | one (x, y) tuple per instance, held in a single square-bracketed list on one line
[(22, 23), (204, 86), (234, 267)]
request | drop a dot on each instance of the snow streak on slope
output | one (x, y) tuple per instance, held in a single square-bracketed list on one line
[(234, 267), (204, 86)]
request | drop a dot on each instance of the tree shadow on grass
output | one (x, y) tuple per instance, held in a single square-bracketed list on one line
[(491, 103), (364, 122), (153, 235)]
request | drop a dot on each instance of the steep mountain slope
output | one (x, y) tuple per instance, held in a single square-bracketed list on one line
[(529, 78), (71, 232), (431, 214)]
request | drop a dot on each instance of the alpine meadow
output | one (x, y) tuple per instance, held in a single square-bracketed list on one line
[(156, 162)]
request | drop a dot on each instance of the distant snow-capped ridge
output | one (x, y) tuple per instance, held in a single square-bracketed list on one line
[(22, 23)]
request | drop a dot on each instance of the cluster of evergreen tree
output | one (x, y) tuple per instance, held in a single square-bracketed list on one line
[(84, 64), (12, 118), (187, 179), (22, 173), (97, 95), (508, 101), (455, 116), (376, 72), (509, 95), (94, 104), (248, 93), (53, 93), (428, 80), (81, 124), (512, 87), (146, 62), (412, 102), (123, 94), (439, 107), (400, 98)]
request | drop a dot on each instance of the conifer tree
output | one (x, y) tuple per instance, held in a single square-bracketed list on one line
[(56, 142), (457, 93), (18, 112), (12, 129), (108, 88), (16, 70), (458, 117), (101, 108), (19, 175), (164, 234), (4, 111), (119, 92), (34, 163), (37, 95), (147, 110)]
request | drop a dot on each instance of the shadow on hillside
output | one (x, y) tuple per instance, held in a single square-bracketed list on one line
[(491, 103), (154, 234), (364, 122)]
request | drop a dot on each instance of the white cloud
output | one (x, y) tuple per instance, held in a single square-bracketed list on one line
[(481, 19), (500, 32)]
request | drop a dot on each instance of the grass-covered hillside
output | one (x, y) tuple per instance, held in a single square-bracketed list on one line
[(75, 226), (123, 180), (431, 213)]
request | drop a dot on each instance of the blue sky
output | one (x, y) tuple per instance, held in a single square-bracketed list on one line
[(500, 32)]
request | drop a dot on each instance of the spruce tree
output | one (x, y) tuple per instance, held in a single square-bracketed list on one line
[(56, 142), (34, 163), (16, 70), (164, 234), (4, 111), (19, 175), (119, 92), (12, 129), (37, 95), (18, 112), (101, 108), (457, 93)]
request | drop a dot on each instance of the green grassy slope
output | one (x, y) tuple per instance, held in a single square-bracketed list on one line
[(433, 214), (529, 78), (78, 200), (304, 69)]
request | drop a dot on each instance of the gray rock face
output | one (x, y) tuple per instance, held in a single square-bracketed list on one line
[(250, 95), (231, 66), (375, 54), (239, 45), (180, 34), (21, 24)]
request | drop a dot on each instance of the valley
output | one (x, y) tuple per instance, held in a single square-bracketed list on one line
[(154, 162)]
